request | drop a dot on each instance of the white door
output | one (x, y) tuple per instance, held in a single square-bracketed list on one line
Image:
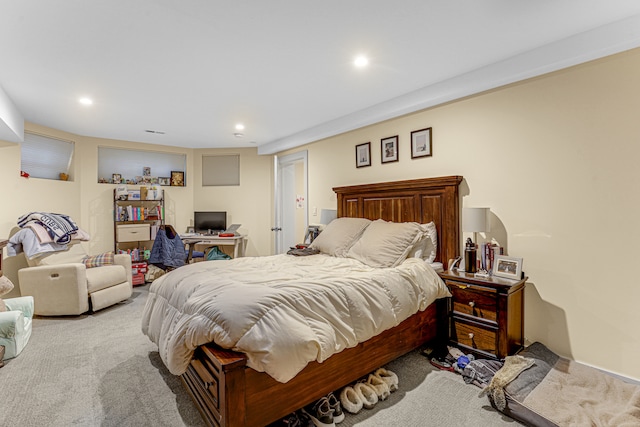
[(291, 201)]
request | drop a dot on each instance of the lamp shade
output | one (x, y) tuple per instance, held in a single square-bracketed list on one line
[(475, 220), (327, 215)]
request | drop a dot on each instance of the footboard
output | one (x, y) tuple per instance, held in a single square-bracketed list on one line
[(229, 394)]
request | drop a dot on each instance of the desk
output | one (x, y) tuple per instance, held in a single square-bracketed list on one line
[(238, 243)]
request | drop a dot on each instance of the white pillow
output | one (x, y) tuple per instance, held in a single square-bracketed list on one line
[(386, 244), (339, 235), (427, 247)]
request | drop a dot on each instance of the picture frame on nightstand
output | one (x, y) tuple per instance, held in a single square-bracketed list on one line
[(507, 267)]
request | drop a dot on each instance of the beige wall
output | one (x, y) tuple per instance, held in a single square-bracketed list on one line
[(250, 204), (556, 160), (91, 204)]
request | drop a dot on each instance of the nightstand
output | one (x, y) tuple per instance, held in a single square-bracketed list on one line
[(486, 315)]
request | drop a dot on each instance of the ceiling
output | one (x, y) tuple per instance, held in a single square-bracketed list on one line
[(284, 68)]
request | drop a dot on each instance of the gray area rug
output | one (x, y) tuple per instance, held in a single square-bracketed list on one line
[(100, 370)]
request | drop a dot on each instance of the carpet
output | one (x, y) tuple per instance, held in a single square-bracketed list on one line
[(100, 370)]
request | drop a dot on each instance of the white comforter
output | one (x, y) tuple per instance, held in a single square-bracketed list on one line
[(282, 311)]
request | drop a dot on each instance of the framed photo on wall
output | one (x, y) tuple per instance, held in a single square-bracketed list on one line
[(389, 149), (164, 180), (177, 178), (421, 143), (363, 155), (509, 267)]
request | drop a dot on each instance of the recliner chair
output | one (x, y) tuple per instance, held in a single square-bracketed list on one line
[(15, 325), (61, 284)]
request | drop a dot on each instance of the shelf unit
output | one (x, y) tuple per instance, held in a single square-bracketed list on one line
[(135, 224)]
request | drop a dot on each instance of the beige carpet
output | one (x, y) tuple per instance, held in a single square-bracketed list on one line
[(100, 370)]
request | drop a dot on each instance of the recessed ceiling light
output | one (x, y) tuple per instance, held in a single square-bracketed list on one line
[(85, 101), (239, 126), (361, 61)]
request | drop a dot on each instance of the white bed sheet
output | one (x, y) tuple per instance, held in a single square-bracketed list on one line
[(282, 311)]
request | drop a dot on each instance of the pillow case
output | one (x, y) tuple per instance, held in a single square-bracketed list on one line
[(98, 260), (426, 247), (339, 235), (386, 244)]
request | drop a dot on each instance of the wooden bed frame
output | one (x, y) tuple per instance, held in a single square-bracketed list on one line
[(230, 394)]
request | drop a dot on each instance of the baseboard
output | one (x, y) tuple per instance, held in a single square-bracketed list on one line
[(613, 374)]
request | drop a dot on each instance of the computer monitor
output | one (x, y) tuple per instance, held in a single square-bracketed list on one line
[(209, 222)]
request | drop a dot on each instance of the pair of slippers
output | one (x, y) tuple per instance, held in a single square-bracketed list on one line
[(367, 392)]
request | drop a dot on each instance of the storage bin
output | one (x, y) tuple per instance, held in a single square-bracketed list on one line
[(133, 232)]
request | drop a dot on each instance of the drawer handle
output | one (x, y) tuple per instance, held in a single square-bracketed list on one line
[(472, 304), (470, 335), (463, 286)]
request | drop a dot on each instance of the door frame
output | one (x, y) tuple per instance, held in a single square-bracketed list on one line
[(280, 162)]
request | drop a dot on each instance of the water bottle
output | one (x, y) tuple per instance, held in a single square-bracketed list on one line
[(470, 256)]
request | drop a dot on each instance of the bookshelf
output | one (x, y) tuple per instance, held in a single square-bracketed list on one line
[(136, 222)]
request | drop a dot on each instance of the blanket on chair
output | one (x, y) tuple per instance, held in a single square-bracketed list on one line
[(60, 227)]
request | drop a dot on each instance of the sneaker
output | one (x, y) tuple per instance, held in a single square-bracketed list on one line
[(321, 413), (291, 420), (338, 415)]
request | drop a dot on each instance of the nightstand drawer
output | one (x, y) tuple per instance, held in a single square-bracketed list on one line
[(474, 336), (472, 302)]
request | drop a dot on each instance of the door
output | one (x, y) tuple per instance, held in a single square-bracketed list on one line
[(290, 201)]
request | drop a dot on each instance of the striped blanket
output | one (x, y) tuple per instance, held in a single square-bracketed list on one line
[(60, 227)]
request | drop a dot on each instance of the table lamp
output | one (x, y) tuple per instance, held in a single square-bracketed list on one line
[(327, 215), (475, 220)]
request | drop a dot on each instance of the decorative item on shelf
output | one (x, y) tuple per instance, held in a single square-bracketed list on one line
[(177, 178), (421, 143), (508, 267), (133, 195), (116, 178), (121, 192), (146, 171), (454, 264), (389, 149), (482, 273), (64, 176), (164, 180), (363, 155), (154, 193)]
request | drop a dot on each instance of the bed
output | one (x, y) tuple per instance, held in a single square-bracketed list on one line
[(233, 388)]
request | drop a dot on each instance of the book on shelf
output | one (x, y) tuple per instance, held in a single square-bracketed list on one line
[(486, 255)]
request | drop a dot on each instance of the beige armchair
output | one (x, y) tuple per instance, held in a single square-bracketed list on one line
[(61, 284)]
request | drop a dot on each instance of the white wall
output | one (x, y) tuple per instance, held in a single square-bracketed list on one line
[(556, 160)]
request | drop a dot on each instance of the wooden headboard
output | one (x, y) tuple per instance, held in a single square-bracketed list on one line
[(419, 200)]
